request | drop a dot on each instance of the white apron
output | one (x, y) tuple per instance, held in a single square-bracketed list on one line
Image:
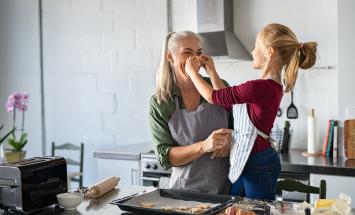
[(244, 137)]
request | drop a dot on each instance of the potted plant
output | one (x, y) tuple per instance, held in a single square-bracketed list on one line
[(17, 101), (2, 139)]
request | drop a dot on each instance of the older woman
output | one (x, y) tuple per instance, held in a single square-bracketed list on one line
[(189, 134)]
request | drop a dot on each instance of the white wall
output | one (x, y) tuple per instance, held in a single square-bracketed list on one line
[(100, 61), (346, 47), (19, 65), (316, 88), (100, 58)]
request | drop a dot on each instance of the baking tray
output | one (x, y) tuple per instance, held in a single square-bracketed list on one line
[(171, 198)]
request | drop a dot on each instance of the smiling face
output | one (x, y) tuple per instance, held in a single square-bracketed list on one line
[(259, 56), (184, 48)]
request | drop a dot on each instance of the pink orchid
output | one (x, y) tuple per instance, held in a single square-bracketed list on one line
[(17, 101), (23, 108)]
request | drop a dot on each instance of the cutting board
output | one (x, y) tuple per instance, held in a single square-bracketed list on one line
[(349, 138)]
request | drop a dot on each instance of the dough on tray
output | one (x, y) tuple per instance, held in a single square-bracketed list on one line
[(167, 208), (183, 208), (203, 206), (197, 210), (147, 204)]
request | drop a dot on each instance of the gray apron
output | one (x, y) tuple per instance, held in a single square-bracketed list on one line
[(203, 175)]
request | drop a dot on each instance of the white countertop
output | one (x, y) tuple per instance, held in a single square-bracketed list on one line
[(125, 152)]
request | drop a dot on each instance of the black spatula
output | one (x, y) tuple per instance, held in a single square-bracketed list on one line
[(292, 112)]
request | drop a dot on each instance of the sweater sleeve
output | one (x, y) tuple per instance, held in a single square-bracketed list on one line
[(248, 92), (161, 137)]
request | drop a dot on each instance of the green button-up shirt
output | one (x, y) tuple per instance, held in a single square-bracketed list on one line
[(159, 116)]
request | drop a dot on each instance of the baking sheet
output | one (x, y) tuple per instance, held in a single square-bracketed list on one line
[(176, 200), (160, 202)]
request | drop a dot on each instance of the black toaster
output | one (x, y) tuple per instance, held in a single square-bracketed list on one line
[(32, 184)]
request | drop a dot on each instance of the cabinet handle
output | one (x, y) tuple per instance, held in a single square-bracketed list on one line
[(149, 179), (133, 179)]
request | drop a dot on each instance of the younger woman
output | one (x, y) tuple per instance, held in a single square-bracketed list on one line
[(254, 164)]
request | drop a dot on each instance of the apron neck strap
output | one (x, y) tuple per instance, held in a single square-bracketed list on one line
[(177, 103)]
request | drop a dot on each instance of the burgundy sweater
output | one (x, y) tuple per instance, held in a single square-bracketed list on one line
[(263, 99)]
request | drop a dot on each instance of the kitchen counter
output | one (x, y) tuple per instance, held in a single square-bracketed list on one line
[(294, 161), (98, 206), (127, 152), (101, 205)]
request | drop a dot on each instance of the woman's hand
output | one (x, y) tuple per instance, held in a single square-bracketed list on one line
[(225, 150), (208, 64), (216, 140), (192, 65)]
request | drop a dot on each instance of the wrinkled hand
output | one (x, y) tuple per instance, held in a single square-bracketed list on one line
[(192, 65), (216, 140), (207, 63), (225, 150)]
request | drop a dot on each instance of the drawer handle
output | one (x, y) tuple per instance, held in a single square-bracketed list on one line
[(149, 179)]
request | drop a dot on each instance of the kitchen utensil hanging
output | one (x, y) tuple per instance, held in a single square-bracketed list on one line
[(292, 112), (279, 112)]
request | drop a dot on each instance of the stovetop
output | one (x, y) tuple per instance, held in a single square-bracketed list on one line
[(149, 163)]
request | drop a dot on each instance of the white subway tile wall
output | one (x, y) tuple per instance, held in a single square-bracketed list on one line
[(100, 58), (112, 49)]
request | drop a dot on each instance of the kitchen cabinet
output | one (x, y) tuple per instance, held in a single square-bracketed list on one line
[(127, 170), (335, 185)]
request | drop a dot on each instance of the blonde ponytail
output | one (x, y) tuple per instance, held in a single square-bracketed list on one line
[(165, 75), (165, 78), (292, 54)]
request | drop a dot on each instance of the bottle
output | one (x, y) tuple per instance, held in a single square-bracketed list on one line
[(307, 211), (285, 138), (102, 187)]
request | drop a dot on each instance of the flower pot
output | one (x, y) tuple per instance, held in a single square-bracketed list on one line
[(14, 156)]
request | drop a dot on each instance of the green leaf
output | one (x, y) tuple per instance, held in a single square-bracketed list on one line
[(6, 135), (23, 138), (12, 142), (22, 145), (17, 145)]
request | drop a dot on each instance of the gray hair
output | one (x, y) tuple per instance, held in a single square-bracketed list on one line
[(165, 76)]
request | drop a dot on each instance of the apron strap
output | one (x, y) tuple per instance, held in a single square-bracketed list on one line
[(177, 103), (267, 137), (262, 134)]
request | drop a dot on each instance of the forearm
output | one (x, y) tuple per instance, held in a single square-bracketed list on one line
[(181, 155), (217, 83), (203, 87)]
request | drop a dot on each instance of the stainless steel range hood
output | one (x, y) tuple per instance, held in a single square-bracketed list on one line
[(215, 27)]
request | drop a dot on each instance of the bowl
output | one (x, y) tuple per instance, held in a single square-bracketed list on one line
[(69, 201)]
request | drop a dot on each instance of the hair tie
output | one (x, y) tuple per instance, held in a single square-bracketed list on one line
[(300, 46)]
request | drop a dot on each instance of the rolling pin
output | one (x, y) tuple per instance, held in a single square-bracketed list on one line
[(102, 187)]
